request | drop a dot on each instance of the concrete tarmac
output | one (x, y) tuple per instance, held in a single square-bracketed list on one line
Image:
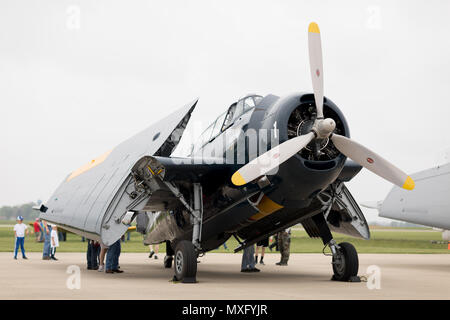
[(403, 276)]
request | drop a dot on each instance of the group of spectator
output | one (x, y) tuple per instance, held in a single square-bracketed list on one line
[(97, 251), (49, 233), (282, 241), (51, 240)]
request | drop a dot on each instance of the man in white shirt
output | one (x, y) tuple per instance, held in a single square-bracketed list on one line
[(20, 229)]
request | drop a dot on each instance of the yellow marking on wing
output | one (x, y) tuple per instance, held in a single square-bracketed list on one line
[(266, 206), (313, 27), (409, 184), (88, 166)]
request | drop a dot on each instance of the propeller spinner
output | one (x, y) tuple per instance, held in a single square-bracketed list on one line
[(322, 129)]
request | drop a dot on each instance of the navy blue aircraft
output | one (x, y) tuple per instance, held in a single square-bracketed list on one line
[(265, 164)]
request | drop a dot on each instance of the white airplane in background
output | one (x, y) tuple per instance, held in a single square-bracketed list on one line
[(428, 204)]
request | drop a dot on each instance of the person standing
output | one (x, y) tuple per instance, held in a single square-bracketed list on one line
[(248, 260), (37, 229), (263, 244), (112, 258), (41, 226), (103, 251), (46, 251), (54, 242), (154, 252), (92, 254), (284, 244), (20, 230)]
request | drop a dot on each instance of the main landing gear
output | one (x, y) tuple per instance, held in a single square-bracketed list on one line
[(344, 256), (345, 262), (186, 252)]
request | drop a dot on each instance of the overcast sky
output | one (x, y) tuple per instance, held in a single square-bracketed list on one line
[(79, 77)]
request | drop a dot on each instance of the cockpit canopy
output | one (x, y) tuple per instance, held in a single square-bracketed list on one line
[(226, 119)]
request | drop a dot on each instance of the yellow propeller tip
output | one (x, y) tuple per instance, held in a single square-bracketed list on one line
[(237, 179), (313, 27), (409, 184)]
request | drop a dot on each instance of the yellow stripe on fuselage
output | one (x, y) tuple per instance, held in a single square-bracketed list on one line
[(266, 206), (89, 166)]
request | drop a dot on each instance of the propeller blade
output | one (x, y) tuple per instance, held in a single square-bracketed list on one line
[(372, 161), (270, 159), (316, 65)]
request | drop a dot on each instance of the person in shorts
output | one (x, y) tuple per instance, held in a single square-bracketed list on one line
[(261, 245), (103, 251)]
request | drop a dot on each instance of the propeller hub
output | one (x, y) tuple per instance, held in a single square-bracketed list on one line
[(323, 128)]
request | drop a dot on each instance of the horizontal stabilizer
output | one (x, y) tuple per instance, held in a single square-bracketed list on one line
[(40, 208)]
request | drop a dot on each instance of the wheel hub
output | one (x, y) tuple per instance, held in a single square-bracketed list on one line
[(339, 263), (179, 262)]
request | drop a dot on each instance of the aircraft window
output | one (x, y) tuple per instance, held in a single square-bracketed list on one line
[(248, 103), (239, 109), (257, 99), (229, 117), (225, 120), (218, 125), (204, 138), (207, 134)]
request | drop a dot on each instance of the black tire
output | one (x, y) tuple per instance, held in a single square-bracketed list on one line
[(348, 266), (185, 265), (168, 262)]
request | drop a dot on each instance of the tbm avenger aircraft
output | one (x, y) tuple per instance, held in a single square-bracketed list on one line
[(194, 204)]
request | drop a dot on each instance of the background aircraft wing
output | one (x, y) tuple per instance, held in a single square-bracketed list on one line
[(428, 204)]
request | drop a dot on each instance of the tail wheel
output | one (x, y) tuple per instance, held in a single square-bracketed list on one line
[(185, 262), (168, 262), (346, 263)]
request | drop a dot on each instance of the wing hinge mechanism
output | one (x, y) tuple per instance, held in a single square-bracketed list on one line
[(149, 174)]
